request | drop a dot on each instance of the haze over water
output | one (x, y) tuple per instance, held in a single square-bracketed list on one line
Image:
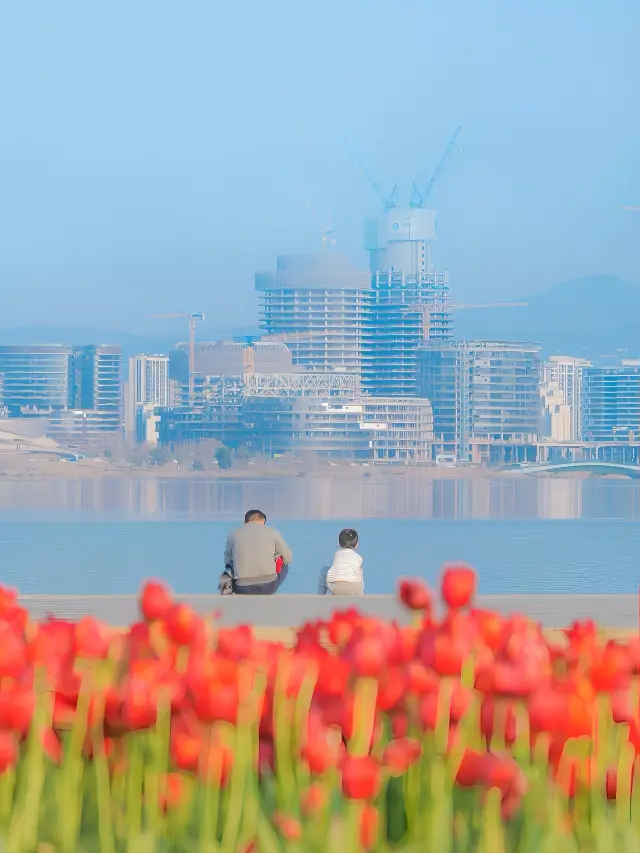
[(523, 534)]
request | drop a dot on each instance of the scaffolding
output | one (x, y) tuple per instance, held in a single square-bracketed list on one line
[(301, 384)]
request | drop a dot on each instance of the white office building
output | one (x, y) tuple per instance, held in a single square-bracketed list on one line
[(562, 378), (147, 388)]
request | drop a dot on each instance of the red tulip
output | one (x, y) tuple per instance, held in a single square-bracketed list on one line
[(13, 653), (182, 624), (172, 791), (17, 705), (314, 800), (216, 701), (415, 595), (610, 668), (461, 699), (458, 585), (186, 751), (8, 751), (400, 754), (333, 676), (139, 709), (92, 639), (235, 643), (288, 827), (155, 601), (392, 689), (369, 826), (368, 657), (361, 777), (51, 745), (490, 627), (320, 752)]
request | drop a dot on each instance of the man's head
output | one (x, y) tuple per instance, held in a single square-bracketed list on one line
[(255, 516)]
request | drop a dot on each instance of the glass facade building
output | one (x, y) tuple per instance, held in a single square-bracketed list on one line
[(35, 380), (611, 403), (480, 390)]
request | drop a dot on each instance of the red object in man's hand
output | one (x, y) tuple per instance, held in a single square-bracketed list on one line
[(279, 565)]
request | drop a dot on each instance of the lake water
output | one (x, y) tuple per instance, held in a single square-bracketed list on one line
[(522, 534)]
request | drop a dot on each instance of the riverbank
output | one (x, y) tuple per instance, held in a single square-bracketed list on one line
[(24, 466)]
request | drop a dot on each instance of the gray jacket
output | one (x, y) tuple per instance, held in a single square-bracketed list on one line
[(251, 552)]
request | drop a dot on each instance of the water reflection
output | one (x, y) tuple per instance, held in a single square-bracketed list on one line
[(394, 496)]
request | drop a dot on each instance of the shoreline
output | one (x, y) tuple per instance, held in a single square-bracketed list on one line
[(23, 467)]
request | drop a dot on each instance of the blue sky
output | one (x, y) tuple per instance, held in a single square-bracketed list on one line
[(154, 154)]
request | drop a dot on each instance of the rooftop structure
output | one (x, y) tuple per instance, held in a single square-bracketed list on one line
[(322, 294), (229, 358), (480, 390)]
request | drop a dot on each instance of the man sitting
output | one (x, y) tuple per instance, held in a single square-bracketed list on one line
[(256, 558)]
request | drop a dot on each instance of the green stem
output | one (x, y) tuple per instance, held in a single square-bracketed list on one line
[(134, 792), (285, 777), (364, 712), (103, 789)]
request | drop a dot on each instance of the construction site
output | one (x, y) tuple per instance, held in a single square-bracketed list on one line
[(355, 364)]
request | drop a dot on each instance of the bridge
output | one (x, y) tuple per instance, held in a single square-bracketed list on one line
[(603, 469)]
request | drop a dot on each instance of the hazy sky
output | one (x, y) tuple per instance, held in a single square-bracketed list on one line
[(154, 154)]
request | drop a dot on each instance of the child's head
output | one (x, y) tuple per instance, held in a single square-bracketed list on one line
[(348, 538)]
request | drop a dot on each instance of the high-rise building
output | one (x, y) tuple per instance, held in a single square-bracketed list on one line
[(564, 373), (480, 391), (98, 380), (611, 402), (322, 296), (36, 379), (409, 300), (149, 379), (147, 388)]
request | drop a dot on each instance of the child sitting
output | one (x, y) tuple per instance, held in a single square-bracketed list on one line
[(345, 576)]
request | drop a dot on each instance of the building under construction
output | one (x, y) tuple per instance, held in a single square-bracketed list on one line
[(322, 299), (311, 414), (484, 394), (408, 302)]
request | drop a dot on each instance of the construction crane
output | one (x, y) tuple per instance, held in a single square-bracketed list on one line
[(328, 234), (192, 320), (388, 202), (249, 350), (419, 199), (427, 310)]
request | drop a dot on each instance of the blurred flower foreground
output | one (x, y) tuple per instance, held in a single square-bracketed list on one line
[(465, 731)]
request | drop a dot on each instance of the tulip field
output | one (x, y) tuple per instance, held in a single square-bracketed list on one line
[(464, 731)]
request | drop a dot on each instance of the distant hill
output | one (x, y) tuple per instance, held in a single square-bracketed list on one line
[(590, 317)]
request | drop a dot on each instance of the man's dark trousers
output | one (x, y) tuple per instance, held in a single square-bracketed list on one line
[(262, 588)]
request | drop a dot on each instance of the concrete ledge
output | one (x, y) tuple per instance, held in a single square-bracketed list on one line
[(286, 611)]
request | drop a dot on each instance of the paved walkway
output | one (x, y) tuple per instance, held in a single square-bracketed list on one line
[(282, 611)]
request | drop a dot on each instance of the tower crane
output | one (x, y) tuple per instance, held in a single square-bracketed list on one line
[(419, 199), (388, 202), (328, 233), (192, 320), (250, 353), (427, 310)]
